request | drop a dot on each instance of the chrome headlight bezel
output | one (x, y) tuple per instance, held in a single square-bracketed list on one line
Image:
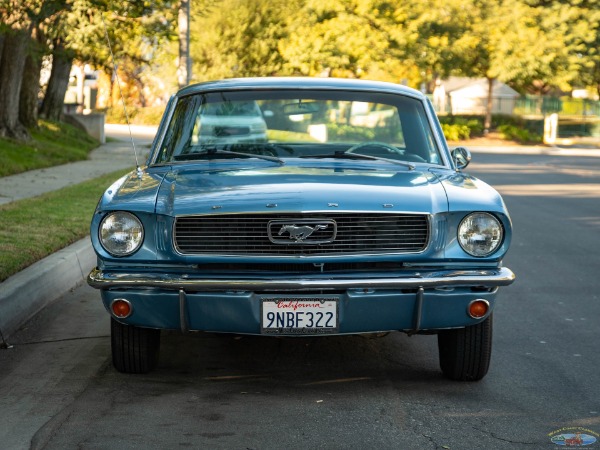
[(131, 231), (480, 234)]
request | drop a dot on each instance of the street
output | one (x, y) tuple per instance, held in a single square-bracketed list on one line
[(58, 389)]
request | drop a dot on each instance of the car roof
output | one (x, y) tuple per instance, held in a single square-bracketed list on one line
[(269, 83)]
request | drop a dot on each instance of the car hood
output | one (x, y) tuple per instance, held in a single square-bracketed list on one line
[(196, 190), (299, 188)]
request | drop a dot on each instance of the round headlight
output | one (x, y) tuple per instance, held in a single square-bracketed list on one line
[(480, 234), (121, 233)]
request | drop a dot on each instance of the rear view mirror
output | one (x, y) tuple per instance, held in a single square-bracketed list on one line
[(461, 157), (293, 109)]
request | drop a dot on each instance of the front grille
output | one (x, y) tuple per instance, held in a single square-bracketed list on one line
[(295, 268), (247, 234)]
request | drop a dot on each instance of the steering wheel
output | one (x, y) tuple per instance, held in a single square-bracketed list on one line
[(387, 147)]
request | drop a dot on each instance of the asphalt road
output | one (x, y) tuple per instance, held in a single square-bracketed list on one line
[(58, 389)]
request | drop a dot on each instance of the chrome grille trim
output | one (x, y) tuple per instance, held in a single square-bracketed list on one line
[(247, 234)]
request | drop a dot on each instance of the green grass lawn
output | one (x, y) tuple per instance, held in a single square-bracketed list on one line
[(52, 144), (32, 229)]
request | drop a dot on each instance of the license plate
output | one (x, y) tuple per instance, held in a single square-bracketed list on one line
[(299, 315)]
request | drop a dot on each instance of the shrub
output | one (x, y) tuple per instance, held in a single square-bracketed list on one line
[(340, 132), (461, 127), (518, 134), (456, 132)]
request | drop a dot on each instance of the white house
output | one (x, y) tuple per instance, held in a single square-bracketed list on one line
[(460, 95)]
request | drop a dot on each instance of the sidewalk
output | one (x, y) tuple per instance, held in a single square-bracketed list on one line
[(27, 292), (107, 158)]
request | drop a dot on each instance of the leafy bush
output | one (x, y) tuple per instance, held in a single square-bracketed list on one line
[(518, 134), (456, 132), (337, 131), (510, 127), (499, 120), (461, 127)]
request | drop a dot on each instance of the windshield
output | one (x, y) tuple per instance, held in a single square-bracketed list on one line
[(299, 124)]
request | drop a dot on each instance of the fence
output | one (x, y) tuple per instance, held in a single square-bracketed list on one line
[(563, 106), (577, 117)]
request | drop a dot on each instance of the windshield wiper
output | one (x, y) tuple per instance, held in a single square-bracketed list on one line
[(218, 152), (345, 155)]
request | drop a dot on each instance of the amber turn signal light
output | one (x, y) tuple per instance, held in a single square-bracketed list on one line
[(121, 308), (478, 308)]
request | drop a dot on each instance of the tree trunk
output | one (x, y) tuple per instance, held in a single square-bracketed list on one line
[(184, 70), (54, 100), (30, 89), (488, 107), (1, 46), (11, 75)]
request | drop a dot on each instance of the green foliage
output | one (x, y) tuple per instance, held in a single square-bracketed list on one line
[(289, 136), (519, 134), (237, 38), (139, 116), (52, 144), (136, 30), (336, 131), (457, 128), (32, 229), (456, 132), (579, 107), (517, 41), (346, 39), (534, 45), (510, 127)]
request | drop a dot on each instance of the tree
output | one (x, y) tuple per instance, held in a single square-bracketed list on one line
[(11, 72), (433, 31), (573, 26), (240, 38), (589, 56), (501, 40), (21, 62), (1, 42), (62, 60), (30, 86), (137, 31), (184, 68), (581, 24), (476, 49), (15, 29), (349, 38)]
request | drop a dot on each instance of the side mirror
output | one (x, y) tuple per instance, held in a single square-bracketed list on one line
[(461, 157)]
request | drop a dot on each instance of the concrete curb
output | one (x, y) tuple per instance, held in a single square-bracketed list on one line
[(27, 292)]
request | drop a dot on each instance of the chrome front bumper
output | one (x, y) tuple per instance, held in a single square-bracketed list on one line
[(447, 278)]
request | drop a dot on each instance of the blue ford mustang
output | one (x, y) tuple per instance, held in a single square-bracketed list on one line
[(301, 207)]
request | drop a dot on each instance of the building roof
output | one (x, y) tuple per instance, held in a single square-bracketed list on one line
[(477, 87)]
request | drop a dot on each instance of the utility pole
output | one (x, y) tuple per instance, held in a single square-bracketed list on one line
[(184, 68)]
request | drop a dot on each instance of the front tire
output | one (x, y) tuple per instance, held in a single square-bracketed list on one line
[(465, 353), (134, 349)]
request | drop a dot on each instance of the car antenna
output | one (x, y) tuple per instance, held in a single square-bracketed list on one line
[(112, 55)]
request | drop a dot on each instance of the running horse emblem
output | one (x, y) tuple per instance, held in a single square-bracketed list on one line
[(299, 234)]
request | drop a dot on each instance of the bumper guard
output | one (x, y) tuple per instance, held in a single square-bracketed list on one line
[(448, 278)]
